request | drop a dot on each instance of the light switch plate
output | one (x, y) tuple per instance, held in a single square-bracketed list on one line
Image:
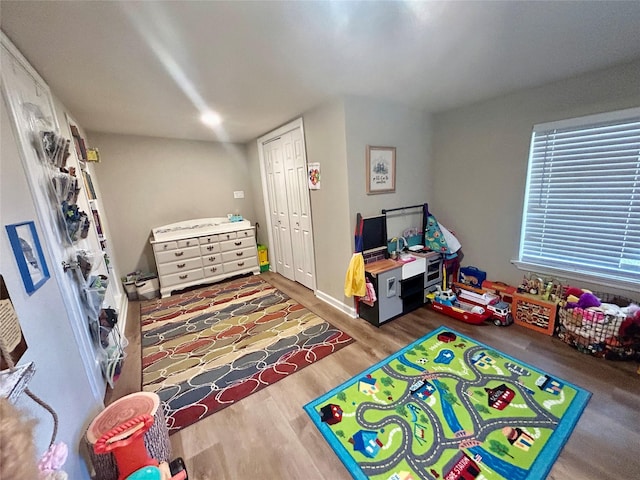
[(238, 194)]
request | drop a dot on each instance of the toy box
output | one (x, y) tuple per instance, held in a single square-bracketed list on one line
[(472, 276), (532, 312)]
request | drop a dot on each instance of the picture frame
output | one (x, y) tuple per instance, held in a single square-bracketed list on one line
[(29, 256), (381, 170)]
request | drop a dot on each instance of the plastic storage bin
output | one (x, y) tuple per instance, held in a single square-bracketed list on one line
[(148, 288), (131, 290)]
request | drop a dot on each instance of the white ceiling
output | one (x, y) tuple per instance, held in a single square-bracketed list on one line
[(149, 68)]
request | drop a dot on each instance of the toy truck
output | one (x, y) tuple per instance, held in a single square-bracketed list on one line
[(446, 301), (492, 302), (501, 314)]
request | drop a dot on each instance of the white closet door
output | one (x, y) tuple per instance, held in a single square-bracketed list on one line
[(299, 208), (280, 224)]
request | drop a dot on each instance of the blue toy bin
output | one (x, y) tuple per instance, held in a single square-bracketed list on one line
[(472, 276)]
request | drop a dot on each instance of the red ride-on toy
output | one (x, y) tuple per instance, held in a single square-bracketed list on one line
[(126, 442)]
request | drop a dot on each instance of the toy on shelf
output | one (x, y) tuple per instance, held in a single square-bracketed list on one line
[(547, 289)]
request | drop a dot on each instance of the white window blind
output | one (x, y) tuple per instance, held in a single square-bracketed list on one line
[(582, 201)]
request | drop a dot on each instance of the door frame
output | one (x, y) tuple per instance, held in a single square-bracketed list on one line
[(292, 125)]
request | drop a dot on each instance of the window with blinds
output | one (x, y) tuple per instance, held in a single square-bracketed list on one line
[(582, 202)]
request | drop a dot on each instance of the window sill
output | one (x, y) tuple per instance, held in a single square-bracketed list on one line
[(578, 275)]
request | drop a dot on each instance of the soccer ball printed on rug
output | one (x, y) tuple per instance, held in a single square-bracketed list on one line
[(448, 407)]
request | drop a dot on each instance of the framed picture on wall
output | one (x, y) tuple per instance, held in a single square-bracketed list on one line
[(381, 170), (29, 257)]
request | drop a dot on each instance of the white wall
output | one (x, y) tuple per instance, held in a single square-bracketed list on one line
[(60, 378), (337, 134), (326, 144), (147, 182), (377, 123), (260, 214), (480, 156)]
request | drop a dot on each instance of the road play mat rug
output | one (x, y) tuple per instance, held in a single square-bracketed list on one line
[(206, 349), (448, 407)]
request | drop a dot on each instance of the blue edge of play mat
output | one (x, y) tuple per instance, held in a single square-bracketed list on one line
[(541, 466)]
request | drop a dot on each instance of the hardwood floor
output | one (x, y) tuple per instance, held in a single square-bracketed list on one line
[(268, 436)]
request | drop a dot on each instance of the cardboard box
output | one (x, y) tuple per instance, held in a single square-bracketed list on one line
[(532, 312)]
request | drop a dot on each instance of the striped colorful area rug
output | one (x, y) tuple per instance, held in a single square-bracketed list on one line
[(206, 349)]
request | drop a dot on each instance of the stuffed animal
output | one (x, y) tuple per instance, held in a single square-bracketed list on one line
[(630, 328), (586, 300), (572, 294), (18, 453)]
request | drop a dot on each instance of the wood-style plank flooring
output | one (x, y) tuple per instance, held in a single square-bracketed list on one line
[(268, 436)]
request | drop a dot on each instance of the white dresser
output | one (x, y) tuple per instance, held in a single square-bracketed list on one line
[(204, 250)]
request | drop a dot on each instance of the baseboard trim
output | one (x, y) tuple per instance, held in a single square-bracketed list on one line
[(122, 314), (336, 304)]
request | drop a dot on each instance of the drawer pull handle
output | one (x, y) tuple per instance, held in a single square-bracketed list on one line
[(239, 254), (181, 265), (178, 254), (237, 244), (188, 243), (240, 264), (211, 259), (213, 269), (182, 277), (210, 247)]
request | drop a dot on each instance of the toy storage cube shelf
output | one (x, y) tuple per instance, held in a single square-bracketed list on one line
[(532, 312)]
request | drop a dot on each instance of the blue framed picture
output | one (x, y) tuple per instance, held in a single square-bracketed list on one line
[(28, 252)]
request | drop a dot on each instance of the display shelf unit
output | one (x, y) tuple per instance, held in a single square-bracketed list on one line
[(96, 284), (533, 312)]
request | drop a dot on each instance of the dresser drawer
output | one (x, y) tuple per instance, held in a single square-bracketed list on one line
[(179, 266), (237, 244), (179, 254), (164, 246), (209, 239), (208, 249), (240, 264), (238, 254), (213, 270), (227, 236), (211, 259), (245, 233), (188, 242), (178, 278)]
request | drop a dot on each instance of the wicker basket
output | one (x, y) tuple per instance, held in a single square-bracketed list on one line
[(598, 333)]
